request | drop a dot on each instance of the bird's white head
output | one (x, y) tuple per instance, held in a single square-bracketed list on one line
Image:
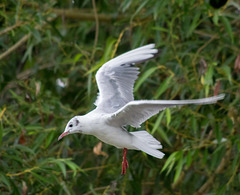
[(73, 126)]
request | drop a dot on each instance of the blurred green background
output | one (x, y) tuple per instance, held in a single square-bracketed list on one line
[(49, 53)]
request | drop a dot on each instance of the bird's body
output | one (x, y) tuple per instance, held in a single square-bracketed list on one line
[(96, 124), (116, 107)]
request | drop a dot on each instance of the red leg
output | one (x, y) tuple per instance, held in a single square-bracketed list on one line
[(124, 162)]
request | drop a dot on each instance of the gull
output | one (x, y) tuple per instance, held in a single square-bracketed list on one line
[(116, 107)]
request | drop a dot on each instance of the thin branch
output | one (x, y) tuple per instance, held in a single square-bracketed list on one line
[(22, 40), (205, 187), (97, 29), (105, 188), (15, 46), (2, 112), (22, 172), (81, 15), (118, 41), (6, 30)]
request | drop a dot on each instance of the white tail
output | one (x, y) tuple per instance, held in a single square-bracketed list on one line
[(147, 143)]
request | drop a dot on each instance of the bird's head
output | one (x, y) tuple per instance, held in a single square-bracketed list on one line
[(73, 126)]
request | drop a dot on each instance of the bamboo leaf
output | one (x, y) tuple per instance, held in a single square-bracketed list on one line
[(170, 161), (164, 136), (5, 180), (107, 54), (163, 87), (168, 115), (179, 166), (227, 72), (40, 178), (189, 159), (144, 77), (157, 122), (62, 167), (228, 27), (1, 131)]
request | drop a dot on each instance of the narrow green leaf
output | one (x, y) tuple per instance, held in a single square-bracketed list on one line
[(228, 27), (168, 115), (107, 55), (195, 22), (1, 131), (62, 167), (179, 166), (217, 156), (38, 142), (36, 35), (157, 122), (39, 177), (125, 5), (89, 84), (161, 29), (208, 79), (189, 159), (49, 139), (33, 127), (72, 166), (235, 162), (216, 17), (145, 75), (65, 188), (218, 133), (227, 72), (194, 124), (5, 180), (77, 57), (171, 160), (164, 136), (24, 149), (163, 87), (139, 8)]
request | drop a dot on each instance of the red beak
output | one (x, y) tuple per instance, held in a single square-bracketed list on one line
[(62, 135)]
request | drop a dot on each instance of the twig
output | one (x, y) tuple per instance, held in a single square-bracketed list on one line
[(80, 15), (197, 53), (180, 179), (24, 75), (6, 30), (97, 29), (2, 112), (202, 33), (118, 41), (15, 46), (204, 188), (22, 172), (98, 189), (22, 40)]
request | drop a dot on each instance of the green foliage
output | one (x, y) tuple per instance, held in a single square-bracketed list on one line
[(49, 53)]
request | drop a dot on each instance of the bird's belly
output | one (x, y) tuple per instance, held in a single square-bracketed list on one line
[(117, 137)]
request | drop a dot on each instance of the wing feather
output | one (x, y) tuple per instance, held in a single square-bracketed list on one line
[(116, 78), (136, 112)]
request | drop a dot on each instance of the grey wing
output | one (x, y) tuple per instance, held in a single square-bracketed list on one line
[(115, 79), (136, 112)]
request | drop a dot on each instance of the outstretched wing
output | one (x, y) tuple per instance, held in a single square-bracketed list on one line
[(135, 113), (115, 79)]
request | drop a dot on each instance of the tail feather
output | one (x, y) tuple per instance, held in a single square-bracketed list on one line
[(147, 143)]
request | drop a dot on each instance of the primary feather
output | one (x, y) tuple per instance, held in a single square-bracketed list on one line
[(116, 78)]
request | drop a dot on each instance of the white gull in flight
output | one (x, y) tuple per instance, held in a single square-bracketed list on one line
[(116, 107)]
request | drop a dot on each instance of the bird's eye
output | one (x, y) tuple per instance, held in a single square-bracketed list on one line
[(71, 125)]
